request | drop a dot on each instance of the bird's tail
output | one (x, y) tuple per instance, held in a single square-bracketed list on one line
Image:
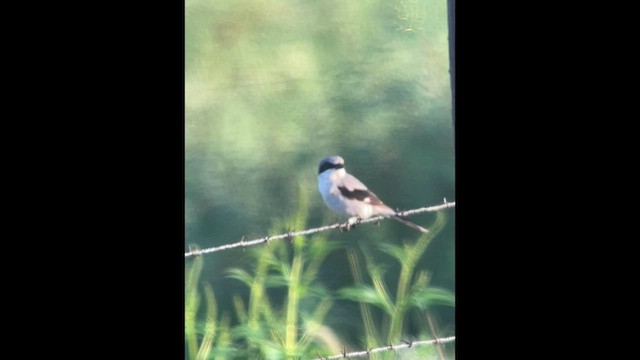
[(408, 222)]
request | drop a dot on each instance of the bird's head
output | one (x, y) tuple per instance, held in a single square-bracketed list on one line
[(330, 162)]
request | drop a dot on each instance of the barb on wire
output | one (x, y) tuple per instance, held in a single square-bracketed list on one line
[(405, 345), (290, 234)]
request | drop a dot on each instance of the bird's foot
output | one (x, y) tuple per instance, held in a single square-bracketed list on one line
[(350, 224)]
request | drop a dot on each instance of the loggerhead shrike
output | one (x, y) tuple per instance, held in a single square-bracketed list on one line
[(348, 196)]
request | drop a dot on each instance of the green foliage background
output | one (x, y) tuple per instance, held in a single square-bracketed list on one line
[(271, 88)]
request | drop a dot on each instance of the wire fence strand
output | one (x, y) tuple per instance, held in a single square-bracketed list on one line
[(242, 243), (405, 345)]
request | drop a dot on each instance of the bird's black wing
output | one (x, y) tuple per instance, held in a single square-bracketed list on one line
[(363, 195)]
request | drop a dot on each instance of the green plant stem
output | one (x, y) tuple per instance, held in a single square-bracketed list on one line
[(292, 306), (397, 318), (224, 340), (369, 328), (257, 299), (191, 306), (413, 255), (210, 326)]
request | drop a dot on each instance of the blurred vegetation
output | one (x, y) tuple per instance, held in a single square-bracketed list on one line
[(293, 328), (272, 326), (272, 87), (200, 335), (413, 291)]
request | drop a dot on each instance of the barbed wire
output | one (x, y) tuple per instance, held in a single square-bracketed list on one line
[(405, 345), (346, 225)]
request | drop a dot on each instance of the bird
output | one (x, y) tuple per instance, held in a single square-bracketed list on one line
[(345, 195)]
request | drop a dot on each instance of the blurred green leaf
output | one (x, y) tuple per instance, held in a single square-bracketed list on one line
[(317, 290), (240, 274), (364, 294), (241, 311), (276, 280), (192, 303), (223, 349), (424, 298), (210, 325), (393, 250), (320, 246)]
